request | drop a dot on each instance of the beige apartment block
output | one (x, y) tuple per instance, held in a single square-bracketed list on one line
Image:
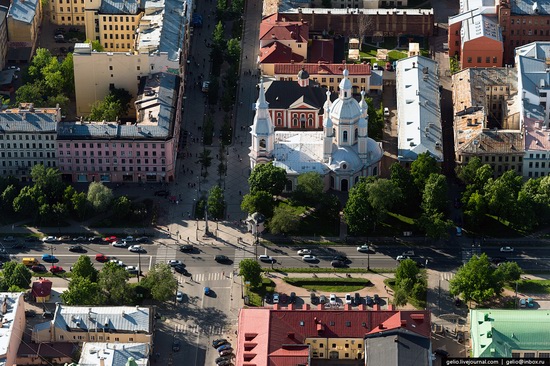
[(24, 18), (67, 12)]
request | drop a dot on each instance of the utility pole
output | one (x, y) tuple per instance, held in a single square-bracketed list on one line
[(139, 265)]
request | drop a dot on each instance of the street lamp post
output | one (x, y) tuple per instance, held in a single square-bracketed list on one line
[(139, 265), (256, 242)]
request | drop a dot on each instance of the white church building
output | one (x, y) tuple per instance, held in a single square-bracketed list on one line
[(341, 153)]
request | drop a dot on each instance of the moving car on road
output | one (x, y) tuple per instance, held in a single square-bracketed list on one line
[(101, 257), (174, 262), (186, 248), (309, 258), (506, 250), (119, 244), (337, 264), (76, 248), (266, 258), (56, 269), (136, 249), (49, 258), (221, 259), (363, 248), (304, 251)]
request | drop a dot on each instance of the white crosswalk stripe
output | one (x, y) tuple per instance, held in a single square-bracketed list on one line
[(217, 276), (447, 276), (189, 328)]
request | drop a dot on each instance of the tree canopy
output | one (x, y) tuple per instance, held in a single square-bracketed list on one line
[(285, 220), (260, 201), (251, 271), (84, 268), (15, 275), (310, 187), (267, 178), (216, 203), (161, 282), (424, 165), (99, 196), (114, 106)]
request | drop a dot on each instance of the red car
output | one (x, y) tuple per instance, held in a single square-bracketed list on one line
[(110, 239), (56, 269), (101, 257)]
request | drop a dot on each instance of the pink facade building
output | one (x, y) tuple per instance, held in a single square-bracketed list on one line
[(144, 151)]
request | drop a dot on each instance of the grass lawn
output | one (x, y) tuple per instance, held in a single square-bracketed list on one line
[(396, 224), (331, 270), (417, 303), (534, 286), (498, 229), (256, 294), (329, 284)]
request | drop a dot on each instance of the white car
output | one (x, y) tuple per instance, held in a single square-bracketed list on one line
[(309, 258), (333, 299), (171, 262), (179, 296), (275, 298), (348, 299), (136, 249), (49, 239), (386, 112), (132, 269), (400, 258), (363, 248), (266, 258), (507, 249), (304, 251), (117, 262), (119, 244)]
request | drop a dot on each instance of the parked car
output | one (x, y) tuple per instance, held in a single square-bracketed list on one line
[(348, 299), (95, 239), (136, 249), (219, 342), (401, 257), (56, 269), (357, 299), (117, 262), (292, 298), (39, 268), (101, 257), (313, 298), (304, 251), (49, 258), (186, 248), (180, 269), (49, 239), (333, 299), (268, 298), (506, 250), (441, 352), (369, 301), (337, 264), (530, 303), (179, 296), (386, 112), (223, 347), (363, 248), (129, 239), (143, 239), (266, 258), (59, 37), (376, 299), (283, 298), (110, 239), (132, 270), (322, 299), (223, 358), (226, 352), (522, 303), (76, 248), (8, 239), (78, 239), (275, 298), (207, 291), (31, 239), (64, 238), (176, 345)]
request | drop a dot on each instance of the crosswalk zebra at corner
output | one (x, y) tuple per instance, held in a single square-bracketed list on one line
[(196, 329), (447, 276), (216, 276)]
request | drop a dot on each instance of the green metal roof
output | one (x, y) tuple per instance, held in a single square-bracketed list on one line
[(497, 333)]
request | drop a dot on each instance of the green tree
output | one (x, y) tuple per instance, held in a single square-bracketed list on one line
[(99, 196), (113, 281), (358, 212), (96, 45), (435, 193), (410, 199), (161, 282), (260, 201), (30, 93), (122, 207), (476, 280), (6, 199), (399, 297), (468, 173), (475, 209), (508, 272), (233, 50), (422, 168), (16, 274), (80, 205), (124, 97), (109, 109), (26, 202), (251, 271), (267, 178), (309, 188), (39, 62), (222, 5), (82, 291), (216, 203), (502, 195), (285, 220), (84, 267), (67, 70), (383, 194), (237, 6), (205, 160), (376, 120), (48, 182), (434, 224), (218, 36), (407, 271)]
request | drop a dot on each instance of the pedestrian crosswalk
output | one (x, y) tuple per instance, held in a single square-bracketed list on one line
[(241, 254), (447, 276), (217, 276), (190, 328)]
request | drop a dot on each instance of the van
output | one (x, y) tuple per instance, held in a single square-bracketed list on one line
[(29, 261)]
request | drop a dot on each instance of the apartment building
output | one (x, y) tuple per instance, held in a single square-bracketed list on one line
[(487, 118), (162, 42), (362, 4), (12, 306), (23, 22), (144, 151), (27, 138), (68, 12), (485, 33), (78, 324), (418, 109), (113, 23), (115, 354), (533, 65), (3, 36)]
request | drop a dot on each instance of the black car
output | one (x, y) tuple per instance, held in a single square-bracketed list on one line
[(180, 269), (369, 301), (223, 358), (31, 239), (18, 246), (162, 193), (292, 298), (357, 299), (76, 248), (221, 259), (337, 264), (186, 248), (341, 258), (283, 298), (95, 239), (376, 299), (313, 299), (219, 342), (497, 260), (268, 299), (59, 31), (224, 363), (143, 239), (441, 352)]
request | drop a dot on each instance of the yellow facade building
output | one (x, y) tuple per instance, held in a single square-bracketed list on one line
[(67, 12), (24, 18)]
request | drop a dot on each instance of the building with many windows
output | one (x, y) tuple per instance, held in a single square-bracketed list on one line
[(113, 23), (3, 36), (23, 23), (144, 151), (27, 138)]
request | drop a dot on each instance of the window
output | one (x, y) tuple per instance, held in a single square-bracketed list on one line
[(334, 345), (469, 60), (345, 136)]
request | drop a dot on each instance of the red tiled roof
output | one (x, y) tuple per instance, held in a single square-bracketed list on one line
[(287, 330), (42, 288), (321, 50), (274, 27), (320, 69), (278, 52)]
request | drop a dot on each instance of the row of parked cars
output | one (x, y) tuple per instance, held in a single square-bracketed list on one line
[(225, 351), (356, 299), (95, 239)]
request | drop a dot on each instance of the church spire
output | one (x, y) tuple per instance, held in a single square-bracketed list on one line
[(345, 86), (262, 105)]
